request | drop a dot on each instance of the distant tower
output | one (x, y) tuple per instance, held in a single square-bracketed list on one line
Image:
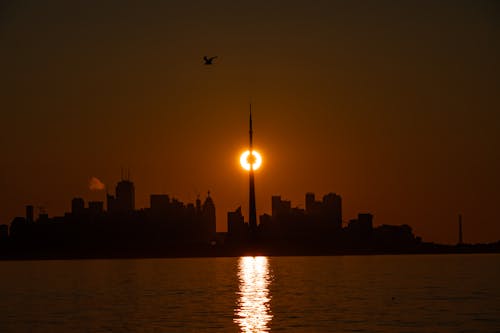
[(253, 210), (460, 235)]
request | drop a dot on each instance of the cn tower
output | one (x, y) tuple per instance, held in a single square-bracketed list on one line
[(253, 211)]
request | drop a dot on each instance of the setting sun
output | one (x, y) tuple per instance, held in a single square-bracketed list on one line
[(246, 160)]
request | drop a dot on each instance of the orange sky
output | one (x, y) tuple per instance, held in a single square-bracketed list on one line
[(393, 105)]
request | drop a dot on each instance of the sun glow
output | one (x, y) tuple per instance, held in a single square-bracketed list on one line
[(246, 160)]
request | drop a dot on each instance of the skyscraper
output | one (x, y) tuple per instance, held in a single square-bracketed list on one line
[(253, 210), (208, 211), (124, 199), (77, 206)]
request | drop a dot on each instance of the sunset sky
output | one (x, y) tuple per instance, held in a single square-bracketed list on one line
[(394, 105)]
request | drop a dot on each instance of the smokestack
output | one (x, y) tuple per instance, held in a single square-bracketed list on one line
[(460, 235), (96, 185)]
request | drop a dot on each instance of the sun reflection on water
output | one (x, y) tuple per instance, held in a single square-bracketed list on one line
[(253, 309)]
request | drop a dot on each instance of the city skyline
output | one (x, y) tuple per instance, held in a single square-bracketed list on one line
[(394, 105), (169, 227), (127, 183), (122, 201), (120, 207)]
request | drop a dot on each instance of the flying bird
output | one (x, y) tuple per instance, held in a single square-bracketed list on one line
[(209, 61)]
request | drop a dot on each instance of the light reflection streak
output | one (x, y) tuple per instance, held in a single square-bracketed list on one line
[(253, 309)]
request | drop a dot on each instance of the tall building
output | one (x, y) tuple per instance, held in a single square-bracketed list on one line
[(237, 229), (313, 207), (327, 212), (209, 217), (124, 199), (310, 202), (252, 207), (280, 208), (332, 204), (77, 206)]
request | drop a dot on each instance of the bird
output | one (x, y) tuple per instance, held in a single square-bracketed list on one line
[(209, 60)]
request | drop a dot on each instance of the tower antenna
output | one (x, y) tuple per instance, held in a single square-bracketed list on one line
[(253, 211), (251, 133)]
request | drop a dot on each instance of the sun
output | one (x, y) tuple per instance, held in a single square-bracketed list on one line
[(246, 160)]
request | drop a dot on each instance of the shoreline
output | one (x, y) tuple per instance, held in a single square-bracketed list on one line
[(29, 256)]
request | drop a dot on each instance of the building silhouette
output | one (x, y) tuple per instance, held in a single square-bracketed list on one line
[(77, 206), (169, 227), (360, 230), (280, 208), (237, 229), (124, 199), (159, 205), (4, 232), (318, 228), (327, 212), (208, 219), (29, 214), (96, 208)]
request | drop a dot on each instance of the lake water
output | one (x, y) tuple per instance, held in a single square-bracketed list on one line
[(417, 293)]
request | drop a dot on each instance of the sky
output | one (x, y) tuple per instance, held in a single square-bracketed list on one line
[(394, 105)]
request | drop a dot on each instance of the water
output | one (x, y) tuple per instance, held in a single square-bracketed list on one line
[(433, 293)]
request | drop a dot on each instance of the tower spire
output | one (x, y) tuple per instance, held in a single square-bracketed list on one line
[(251, 131), (253, 211)]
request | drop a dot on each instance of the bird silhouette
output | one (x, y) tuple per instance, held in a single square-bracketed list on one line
[(209, 60)]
